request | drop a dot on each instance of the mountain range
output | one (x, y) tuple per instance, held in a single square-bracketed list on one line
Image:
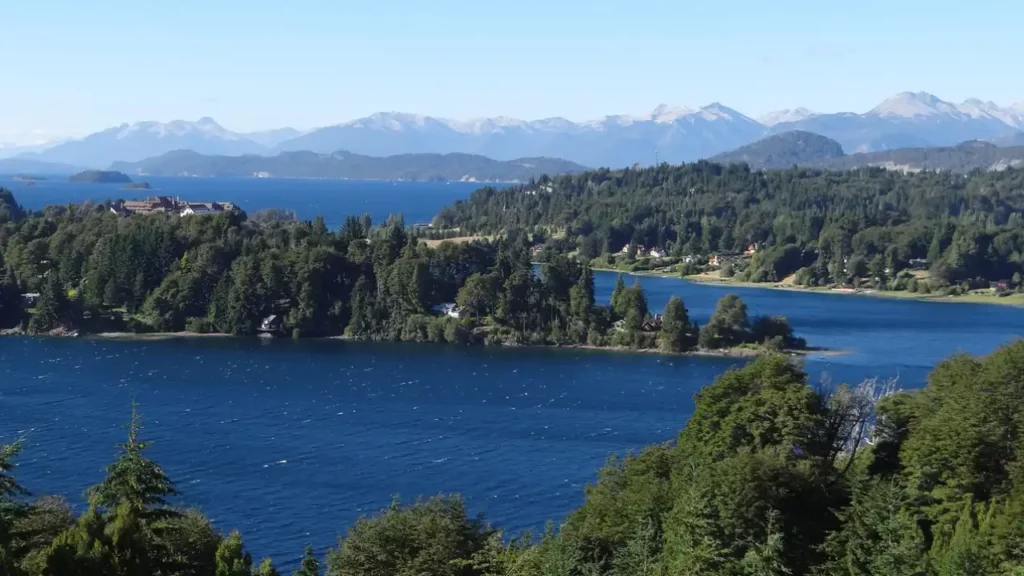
[(668, 133), (304, 164), (782, 151)]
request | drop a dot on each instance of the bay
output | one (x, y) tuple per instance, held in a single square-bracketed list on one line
[(290, 441), (309, 198)]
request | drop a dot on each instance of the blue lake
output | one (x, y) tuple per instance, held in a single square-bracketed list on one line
[(291, 441), (332, 199)]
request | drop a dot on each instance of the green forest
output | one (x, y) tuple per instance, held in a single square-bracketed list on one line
[(96, 271), (868, 226), (769, 477)]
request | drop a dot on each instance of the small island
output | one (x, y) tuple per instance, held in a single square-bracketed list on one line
[(136, 186), (101, 177)]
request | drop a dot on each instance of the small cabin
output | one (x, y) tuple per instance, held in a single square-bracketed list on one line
[(652, 323), (448, 309), (271, 323), (29, 300)]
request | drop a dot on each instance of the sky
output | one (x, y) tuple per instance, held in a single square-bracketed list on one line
[(71, 67)]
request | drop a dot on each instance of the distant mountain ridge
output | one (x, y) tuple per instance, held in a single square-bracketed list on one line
[(27, 166), (782, 151), (668, 133), (342, 164)]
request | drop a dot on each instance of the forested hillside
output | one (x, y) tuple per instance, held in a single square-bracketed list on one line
[(798, 148), (769, 477), (96, 271), (834, 226)]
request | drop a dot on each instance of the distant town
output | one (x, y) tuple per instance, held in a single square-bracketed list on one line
[(159, 204)]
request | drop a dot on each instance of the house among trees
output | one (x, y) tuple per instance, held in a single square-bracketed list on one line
[(271, 324), (151, 205), (206, 208), (918, 264), (29, 300), (656, 253), (449, 309), (714, 261), (751, 250), (652, 323), (640, 250), (160, 204)]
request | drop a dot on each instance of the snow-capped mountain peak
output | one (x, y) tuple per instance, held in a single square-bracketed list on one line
[(139, 140), (205, 126), (717, 111), (483, 125), (914, 105), (786, 115), (666, 114), (390, 121), (1011, 115)]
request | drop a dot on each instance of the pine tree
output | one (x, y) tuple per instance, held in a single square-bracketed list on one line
[(965, 555), (11, 311), (620, 287), (10, 490), (266, 568), (52, 306), (767, 558), (581, 296), (878, 535), (138, 292), (133, 479), (640, 556), (231, 557), (677, 334), (310, 566)]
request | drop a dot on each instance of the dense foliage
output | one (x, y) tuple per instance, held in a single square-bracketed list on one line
[(96, 271), (783, 151), (769, 477), (101, 177), (836, 227)]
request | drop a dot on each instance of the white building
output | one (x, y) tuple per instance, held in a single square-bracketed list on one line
[(449, 309)]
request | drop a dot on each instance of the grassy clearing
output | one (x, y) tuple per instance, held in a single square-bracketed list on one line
[(456, 240)]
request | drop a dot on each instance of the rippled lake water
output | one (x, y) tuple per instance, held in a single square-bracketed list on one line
[(291, 441)]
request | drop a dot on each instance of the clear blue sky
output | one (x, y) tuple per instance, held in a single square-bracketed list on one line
[(72, 66)]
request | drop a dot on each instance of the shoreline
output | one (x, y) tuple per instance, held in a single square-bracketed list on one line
[(739, 352), (1014, 300)]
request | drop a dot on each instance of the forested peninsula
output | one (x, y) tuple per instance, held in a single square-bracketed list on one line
[(84, 268), (799, 148), (769, 477), (343, 164), (865, 229)]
